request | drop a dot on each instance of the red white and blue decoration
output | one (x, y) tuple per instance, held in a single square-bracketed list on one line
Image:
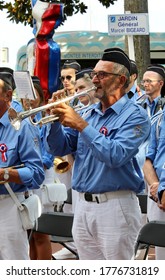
[(3, 150), (103, 130), (43, 53)]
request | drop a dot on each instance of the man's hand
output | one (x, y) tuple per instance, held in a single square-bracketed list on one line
[(153, 191), (59, 94), (162, 203), (68, 117)]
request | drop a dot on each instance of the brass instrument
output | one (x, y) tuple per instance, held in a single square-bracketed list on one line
[(16, 118), (61, 165)]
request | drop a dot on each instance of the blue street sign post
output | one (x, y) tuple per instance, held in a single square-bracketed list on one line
[(128, 24)]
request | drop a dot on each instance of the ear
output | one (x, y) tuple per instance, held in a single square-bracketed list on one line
[(123, 80), (161, 83), (8, 95), (134, 76)]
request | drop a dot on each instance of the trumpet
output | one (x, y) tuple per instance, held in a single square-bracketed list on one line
[(16, 118)]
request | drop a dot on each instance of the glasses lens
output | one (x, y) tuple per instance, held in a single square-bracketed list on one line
[(145, 81), (100, 75)]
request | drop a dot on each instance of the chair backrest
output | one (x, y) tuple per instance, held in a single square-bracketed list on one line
[(152, 233), (143, 202), (55, 223)]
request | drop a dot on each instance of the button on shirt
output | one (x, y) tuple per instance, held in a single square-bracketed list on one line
[(23, 146), (105, 148)]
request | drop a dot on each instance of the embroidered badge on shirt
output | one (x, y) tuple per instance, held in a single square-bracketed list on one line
[(103, 130), (3, 150), (138, 130), (36, 143)]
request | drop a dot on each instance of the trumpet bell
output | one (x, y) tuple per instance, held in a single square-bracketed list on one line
[(61, 165)]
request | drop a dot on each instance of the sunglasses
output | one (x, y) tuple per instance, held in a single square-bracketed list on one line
[(68, 77)]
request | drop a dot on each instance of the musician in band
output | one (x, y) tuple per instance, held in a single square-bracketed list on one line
[(68, 77), (40, 245), (105, 140), (16, 148), (153, 80)]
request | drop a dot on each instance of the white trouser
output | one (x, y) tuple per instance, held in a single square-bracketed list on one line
[(107, 230), (13, 239), (154, 213), (65, 178)]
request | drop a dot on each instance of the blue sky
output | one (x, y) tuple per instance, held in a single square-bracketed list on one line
[(14, 36)]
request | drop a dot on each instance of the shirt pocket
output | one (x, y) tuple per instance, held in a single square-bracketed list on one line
[(11, 156)]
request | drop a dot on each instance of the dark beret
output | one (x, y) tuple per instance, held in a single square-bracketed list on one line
[(134, 69), (158, 68), (72, 64), (6, 74), (81, 73), (117, 55)]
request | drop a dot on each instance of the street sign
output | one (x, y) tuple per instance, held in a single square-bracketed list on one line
[(128, 24)]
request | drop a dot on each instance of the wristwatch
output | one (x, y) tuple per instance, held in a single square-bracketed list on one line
[(6, 174)]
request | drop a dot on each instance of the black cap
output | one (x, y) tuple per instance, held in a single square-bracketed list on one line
[(72, 64), (6, 74), (134, 69), (81, 73), (158, 68), (117, 55)]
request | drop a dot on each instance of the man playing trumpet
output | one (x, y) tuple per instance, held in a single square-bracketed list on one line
[(105, 140)]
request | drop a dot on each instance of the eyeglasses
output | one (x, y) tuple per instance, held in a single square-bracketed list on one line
[(148, 82), (68, 77), (102, 74)]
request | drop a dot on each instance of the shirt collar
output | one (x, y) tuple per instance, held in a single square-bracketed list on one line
[(116, 107), (133, 89), (154, 100)]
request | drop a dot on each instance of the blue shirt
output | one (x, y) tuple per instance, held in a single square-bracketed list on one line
[(23, 146), (47, 158), (151, 106), (156, 150), (106, 148)]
